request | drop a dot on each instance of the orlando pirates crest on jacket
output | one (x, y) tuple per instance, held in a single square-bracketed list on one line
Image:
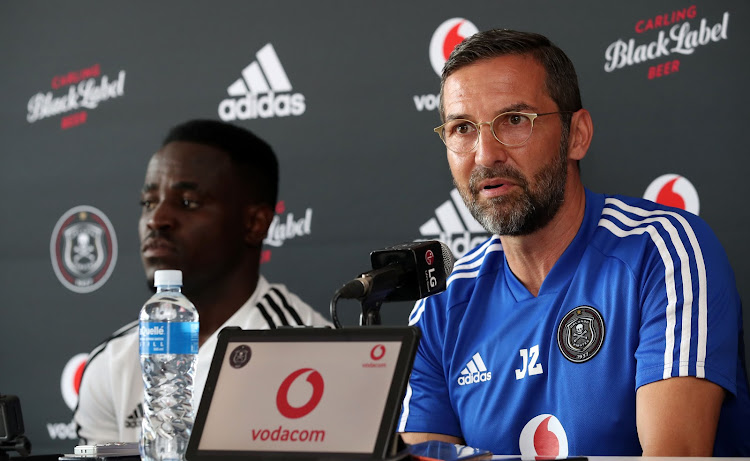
[(111, 394), (642, 293)]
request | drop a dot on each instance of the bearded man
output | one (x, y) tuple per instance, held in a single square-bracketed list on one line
[(588, 324)]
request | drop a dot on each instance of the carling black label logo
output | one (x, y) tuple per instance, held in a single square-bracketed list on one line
[(664, 38), (75, 93)]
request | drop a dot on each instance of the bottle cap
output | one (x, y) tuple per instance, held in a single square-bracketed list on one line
[(167, 278)]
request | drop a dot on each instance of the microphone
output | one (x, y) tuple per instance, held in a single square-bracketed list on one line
[(405, 272)]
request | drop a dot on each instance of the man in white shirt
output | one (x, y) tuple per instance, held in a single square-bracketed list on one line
[(207, 202)]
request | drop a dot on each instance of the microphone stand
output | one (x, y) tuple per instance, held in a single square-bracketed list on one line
[(370, 312), (370, 309), (371, 289)]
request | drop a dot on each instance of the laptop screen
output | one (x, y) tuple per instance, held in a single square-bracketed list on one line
[(304, 393)]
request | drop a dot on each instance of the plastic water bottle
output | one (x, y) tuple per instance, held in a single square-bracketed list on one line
[(169, 349)]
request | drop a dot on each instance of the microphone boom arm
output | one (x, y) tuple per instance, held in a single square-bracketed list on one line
[(370, 289)]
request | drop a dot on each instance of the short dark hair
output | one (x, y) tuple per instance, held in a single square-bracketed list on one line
[(561, 82), (256, 162)]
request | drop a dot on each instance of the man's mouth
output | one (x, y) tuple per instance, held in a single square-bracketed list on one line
[(158, 247), (494, 187)]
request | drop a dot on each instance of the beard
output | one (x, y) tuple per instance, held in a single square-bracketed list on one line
[(514, 214)]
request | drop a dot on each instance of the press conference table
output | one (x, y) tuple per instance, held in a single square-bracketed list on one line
[(506, 457), (636, 458)]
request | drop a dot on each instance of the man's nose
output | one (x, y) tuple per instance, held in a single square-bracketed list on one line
[(162, 216), (489, 150)]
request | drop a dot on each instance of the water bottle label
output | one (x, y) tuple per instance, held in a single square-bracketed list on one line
[(168, 337)]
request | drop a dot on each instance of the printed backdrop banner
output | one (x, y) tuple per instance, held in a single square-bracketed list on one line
[(346, 93)]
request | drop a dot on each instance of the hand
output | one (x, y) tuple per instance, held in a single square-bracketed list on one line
[(418, 437)]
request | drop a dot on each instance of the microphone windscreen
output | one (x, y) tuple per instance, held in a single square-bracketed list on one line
[(448, 259)]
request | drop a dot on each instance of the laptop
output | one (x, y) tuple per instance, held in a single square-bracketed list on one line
[(305, 394)]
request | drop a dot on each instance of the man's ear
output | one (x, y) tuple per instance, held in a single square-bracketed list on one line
[(581, 132), (258, 218)]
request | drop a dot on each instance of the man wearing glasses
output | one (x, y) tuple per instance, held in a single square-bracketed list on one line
[(588, 324)]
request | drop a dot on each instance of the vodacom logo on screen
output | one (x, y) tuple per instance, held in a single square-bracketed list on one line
[(377, 352), (293, 403), (282, 397)]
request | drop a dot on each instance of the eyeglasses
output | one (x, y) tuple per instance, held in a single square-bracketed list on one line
[(509, 128)]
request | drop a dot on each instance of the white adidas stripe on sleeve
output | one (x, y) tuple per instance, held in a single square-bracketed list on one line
[(646, 225)]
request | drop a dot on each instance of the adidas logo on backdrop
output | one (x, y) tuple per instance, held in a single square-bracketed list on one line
[(263, 91), (474, 372), (454, 225)]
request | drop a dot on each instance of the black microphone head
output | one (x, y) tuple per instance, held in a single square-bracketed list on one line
[(448, 259), (427, 265)]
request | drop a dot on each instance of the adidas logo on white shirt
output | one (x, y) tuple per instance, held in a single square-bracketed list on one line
[(133, 420), (263, 91), (474, 372), (454, 225)]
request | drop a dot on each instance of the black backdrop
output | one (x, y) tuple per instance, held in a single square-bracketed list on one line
[(361, 168)]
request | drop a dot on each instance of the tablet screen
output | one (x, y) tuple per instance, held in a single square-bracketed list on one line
[(304, 394), (312, 397)]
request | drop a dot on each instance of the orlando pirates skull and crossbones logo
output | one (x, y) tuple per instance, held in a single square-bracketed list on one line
[(580, 334)]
